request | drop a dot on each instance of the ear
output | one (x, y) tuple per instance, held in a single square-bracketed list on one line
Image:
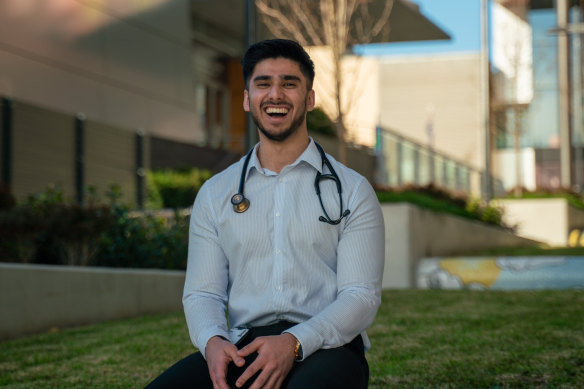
[(245, 100), (310, 100)]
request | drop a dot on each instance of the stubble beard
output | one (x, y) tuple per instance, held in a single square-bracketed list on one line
[(282, 136)]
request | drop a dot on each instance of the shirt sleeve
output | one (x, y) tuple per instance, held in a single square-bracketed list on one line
[(205, 290), (360, 262)]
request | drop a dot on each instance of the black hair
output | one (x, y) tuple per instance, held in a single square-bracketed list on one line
[(277, 48)]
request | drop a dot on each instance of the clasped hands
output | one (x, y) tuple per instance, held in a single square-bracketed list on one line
[(275, 358)]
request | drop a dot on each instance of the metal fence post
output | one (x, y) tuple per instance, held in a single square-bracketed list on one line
[(140, 170), (400, 164), (7, 111), (80, 158)]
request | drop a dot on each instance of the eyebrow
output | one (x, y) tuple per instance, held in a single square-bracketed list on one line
[(285, 77)]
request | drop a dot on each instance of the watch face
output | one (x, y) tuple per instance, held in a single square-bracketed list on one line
[(298, 350)]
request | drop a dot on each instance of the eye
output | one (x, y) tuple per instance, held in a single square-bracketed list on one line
[(289, 85)]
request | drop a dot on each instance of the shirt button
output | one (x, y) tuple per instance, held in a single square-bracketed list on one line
[(277, 214), (278, 251), (278, 288), (280, 180)]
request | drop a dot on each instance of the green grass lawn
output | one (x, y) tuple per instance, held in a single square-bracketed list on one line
[(433, 338)]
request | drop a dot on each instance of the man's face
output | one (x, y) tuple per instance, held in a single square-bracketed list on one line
[(277, 98)]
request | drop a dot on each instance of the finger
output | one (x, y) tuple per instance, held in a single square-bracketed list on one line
[(264, 378), (219, 381), (218, 376), (247, 374), (279, 382), (250, 348)]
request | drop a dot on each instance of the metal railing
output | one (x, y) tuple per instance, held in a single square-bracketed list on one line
[(402, 161)]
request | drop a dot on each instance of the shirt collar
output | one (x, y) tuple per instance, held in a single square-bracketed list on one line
[(310, 155)]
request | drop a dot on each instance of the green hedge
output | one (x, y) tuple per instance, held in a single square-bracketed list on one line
[(49, 229), (174, 188), (442, 200), (318, 121), (573, 198)]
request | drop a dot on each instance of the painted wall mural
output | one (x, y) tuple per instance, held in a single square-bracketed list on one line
[(502, 273)]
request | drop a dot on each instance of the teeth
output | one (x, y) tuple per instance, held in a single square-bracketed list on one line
[(276, 110)]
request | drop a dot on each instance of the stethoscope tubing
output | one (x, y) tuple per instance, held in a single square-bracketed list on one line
[(241, 203)]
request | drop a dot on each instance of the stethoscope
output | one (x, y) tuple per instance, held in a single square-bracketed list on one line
[(241, 203)]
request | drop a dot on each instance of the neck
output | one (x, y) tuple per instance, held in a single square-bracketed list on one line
[(276, 155)]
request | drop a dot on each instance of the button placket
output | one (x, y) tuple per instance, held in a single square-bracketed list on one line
[(279, 239)]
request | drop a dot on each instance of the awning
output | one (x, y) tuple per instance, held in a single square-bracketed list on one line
[(222, 24)]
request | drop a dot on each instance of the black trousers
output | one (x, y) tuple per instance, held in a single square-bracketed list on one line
[(342, 367)]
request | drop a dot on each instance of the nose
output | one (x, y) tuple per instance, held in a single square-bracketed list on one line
[(275, 92)]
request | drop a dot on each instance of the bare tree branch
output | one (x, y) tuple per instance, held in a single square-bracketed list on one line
[(336, 24)]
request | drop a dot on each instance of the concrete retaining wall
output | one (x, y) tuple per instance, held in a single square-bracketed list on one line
[(36, 298), (413, 233), (547, 220)]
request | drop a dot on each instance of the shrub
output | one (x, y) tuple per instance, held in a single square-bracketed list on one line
[(441, 200), (174, 188), (572, 197), (7, 200), (144, 241), (19, 228), (47, 228), (486, 212), (318, 121)]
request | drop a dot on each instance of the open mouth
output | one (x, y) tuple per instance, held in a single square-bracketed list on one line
[(277, 111)]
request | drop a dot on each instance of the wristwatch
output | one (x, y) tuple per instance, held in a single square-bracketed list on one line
[(298, 351)]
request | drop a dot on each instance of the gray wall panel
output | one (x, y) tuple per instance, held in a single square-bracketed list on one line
[(43, 150)]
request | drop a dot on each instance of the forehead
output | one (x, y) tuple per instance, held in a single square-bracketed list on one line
[(277, 68)]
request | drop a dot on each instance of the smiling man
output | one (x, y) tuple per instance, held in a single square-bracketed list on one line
[(278, 92), (299, 288)]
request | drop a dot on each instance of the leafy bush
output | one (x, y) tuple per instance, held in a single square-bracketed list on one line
[(7, 200), (318, 121), (442, 200), (485, 212), (144, 241), (174, 188), (572, 197), (49, 229)]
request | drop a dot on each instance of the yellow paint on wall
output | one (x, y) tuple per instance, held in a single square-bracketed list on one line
[(482, 271)]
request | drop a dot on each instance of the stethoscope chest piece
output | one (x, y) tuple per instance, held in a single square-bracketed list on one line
[(240, 203)]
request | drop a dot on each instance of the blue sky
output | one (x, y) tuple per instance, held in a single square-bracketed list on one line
[(459, 18)]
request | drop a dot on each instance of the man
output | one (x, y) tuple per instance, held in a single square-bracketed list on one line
[(300, 289)]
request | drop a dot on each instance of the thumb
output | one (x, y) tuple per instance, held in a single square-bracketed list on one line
[(233, 354)]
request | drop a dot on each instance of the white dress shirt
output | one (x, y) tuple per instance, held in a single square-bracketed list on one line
[(277, 261)]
